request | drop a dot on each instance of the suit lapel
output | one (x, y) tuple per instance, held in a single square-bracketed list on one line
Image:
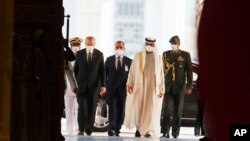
[(93, 56), (85, 56), (123, 62), (113, 62), (93, 59)]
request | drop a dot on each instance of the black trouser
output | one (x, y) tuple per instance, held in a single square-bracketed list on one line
[(116, 103), (86, 110), (199, 119), (175, 102)]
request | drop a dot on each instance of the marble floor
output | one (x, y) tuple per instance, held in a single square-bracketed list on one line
[(99, 138), (186, 134)]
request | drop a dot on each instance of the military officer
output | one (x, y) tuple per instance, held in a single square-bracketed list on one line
[(70, 101), (178, 70)]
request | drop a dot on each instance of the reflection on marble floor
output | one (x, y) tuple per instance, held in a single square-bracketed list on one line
[(100, 138), (186, 134)]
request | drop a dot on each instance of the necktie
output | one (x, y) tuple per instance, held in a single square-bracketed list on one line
[(89, 57), (119, 64)]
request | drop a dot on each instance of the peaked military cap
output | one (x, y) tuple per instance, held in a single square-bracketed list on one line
[(150, 39), (75, 40), (174, 39)]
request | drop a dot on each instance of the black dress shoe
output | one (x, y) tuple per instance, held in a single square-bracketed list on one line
[(147, 135), (88, 133), (117, 133), (165, 136), (111, 133), (137, 134), (175, 136), (207, 139)]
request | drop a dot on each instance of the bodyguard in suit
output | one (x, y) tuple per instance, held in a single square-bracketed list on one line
[(90, 74), (178, 71), (117, 68)]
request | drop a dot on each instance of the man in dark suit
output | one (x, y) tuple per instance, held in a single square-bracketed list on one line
[(90, 74), (117, 69), (177, 68)]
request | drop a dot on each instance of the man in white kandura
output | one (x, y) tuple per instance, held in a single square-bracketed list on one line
[(146, 88)]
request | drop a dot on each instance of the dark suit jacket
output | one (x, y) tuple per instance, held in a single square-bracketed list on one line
[(183, 71), (116, 79), (89, 76)]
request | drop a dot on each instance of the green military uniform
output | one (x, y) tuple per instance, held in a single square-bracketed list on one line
[(178, 71)]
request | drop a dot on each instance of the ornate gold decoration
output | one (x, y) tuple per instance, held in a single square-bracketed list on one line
[(168, 67)]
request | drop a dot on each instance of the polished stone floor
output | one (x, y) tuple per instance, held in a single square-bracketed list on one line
[(99, 138), (186, 134)]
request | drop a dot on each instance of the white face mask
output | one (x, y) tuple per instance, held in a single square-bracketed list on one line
[(75, 49), (149, 48), (174, 47), (119, 52), (90, 48)]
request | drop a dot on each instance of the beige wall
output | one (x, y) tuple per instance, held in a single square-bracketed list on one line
[(6, 16)]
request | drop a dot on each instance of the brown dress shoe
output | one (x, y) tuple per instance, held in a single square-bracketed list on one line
[(81, 133), (147, 135)]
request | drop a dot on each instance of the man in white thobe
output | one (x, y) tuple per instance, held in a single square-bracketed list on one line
[(146, 87)]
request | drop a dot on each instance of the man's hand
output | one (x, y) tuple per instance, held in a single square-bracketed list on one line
[(75, 90), (130, 90), (103, 91), (160, 95), (188, 91)]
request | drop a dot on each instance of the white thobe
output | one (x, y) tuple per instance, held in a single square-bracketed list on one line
[(143, 106)]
